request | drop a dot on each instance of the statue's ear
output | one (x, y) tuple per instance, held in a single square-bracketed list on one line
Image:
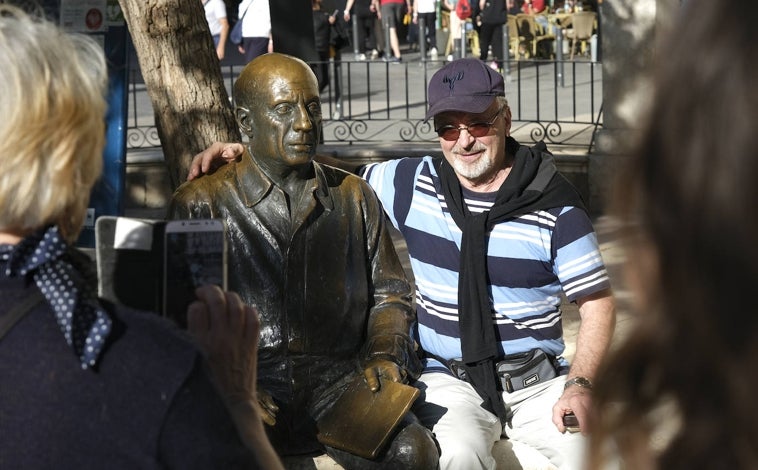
[(244, 120)]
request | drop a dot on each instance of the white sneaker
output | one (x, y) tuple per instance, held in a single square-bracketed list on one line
[(450, 58), (361, 57), (374, 54), (433, 53)]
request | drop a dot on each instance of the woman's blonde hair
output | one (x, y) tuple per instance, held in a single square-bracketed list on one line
[(53, 129)]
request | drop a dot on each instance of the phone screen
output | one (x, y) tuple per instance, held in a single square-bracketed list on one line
[(195, 254)]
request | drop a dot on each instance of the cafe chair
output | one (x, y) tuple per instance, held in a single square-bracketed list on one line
[(582, 27), (532, 32)]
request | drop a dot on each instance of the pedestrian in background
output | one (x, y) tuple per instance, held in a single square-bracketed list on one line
[(215, 14), (391, 13), (426, 10), (493, 17), (364, 14), (256, 28)]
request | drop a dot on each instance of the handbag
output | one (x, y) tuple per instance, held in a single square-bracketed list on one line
[(235, 35), (521, 370), (339, 37)]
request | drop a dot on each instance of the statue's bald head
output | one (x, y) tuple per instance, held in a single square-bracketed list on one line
[(262, 73)]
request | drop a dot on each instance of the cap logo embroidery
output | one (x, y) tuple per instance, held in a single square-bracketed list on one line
[(451, 79)]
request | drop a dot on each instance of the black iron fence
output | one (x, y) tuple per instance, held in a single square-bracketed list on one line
[(372, 101)]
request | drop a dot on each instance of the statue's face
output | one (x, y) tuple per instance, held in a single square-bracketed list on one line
[(287, 117)]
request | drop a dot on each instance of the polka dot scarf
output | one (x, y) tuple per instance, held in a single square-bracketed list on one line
[(84, 324)]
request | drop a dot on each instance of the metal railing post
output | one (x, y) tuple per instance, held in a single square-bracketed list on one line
[(506, 51), (421, 37), (559, 54), (356, 46), (387, 49), (463, 39)]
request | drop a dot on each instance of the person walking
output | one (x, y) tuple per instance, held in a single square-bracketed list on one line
[(364, 13), (256, 28), (426, 10), (493, 16), (391, 13), (215, 15)]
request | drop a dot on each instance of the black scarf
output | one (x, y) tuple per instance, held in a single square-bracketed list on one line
[(533, 184)]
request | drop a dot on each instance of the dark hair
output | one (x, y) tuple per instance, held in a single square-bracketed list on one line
[(689, 196)]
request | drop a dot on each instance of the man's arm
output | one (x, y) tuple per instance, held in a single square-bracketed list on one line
[(598, 321), (221, 153)]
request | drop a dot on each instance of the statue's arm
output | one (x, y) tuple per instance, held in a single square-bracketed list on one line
[(389, 350), (189, 202)]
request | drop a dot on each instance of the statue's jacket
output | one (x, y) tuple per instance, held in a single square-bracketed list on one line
[(328, 284)]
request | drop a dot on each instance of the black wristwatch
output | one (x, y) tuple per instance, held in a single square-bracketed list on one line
[(583, 382)]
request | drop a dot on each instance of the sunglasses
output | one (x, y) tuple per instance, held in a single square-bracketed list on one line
[(476, 129)]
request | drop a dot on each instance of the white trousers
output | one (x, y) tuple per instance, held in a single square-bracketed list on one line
[(466, 432)]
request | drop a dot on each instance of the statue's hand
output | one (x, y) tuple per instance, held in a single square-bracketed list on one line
[(376, 368), (268, 408), (218, 154)]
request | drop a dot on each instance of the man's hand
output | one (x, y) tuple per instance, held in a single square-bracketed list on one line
[(577, 400), (210, 159), (383, 368)]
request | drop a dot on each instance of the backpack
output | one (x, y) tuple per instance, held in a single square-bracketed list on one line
[(463, 9)]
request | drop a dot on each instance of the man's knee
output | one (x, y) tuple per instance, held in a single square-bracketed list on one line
[(466, 451)]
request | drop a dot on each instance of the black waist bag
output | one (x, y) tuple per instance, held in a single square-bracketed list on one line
[(516, 371), (521, 370)]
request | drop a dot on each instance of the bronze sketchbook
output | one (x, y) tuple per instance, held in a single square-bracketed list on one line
[(362, 421)]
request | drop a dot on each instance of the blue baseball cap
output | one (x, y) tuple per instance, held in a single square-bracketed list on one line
[(464, 85)]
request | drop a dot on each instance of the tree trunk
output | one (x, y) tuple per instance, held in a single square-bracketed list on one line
[(183, 78)]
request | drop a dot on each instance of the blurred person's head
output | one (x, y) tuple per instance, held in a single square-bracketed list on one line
[(689, 196), (52, 131), (279, 109)]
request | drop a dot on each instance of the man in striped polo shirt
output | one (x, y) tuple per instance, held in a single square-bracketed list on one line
[(495, 236)]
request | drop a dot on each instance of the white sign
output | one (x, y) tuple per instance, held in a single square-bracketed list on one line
[(83, 16)]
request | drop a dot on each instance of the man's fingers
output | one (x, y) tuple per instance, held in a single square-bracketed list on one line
[(207, 160), (230, 152)]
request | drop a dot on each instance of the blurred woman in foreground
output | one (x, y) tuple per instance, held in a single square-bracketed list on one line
[(690, 195)]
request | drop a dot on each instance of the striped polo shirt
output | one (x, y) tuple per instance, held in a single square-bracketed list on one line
[(531, 261)]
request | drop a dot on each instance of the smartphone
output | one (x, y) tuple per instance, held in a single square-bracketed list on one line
[(194, 255), (571, 423)]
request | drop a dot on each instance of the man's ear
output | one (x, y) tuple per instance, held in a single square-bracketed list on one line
[(244, 120), (508, 121)]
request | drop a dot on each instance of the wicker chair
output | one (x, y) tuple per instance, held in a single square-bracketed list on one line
[(514, 36), (582, 27), (532, 32)]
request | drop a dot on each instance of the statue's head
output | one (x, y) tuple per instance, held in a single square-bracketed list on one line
[(278, 107)]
